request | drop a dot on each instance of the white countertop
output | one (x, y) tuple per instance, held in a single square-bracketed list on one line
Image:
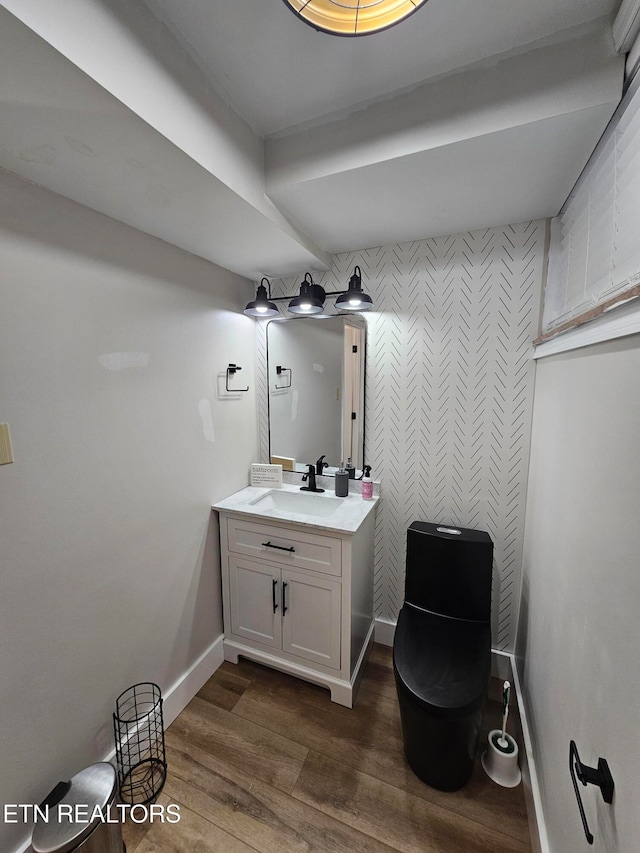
[(347, 517)]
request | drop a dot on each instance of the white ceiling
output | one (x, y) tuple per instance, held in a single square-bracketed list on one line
[(278, 72), (233, 130)]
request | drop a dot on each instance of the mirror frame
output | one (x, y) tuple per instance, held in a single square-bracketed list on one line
[(360, 323)]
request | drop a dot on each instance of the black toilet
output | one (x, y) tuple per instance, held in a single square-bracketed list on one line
[(442, 650)]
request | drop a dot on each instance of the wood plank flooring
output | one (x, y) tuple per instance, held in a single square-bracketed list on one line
[(260, 761)]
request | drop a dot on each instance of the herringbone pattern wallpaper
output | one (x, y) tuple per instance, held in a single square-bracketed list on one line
[(449, 394)]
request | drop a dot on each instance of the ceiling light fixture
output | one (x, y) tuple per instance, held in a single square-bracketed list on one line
[(353, 17), (262, 306), (354, 299), (311, 298)]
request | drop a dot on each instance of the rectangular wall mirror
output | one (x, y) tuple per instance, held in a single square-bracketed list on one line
[(315, 371)]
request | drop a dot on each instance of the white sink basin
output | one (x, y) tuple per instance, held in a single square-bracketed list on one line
[(305, 503)]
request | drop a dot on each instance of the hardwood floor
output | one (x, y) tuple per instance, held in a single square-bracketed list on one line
[(260, 761)]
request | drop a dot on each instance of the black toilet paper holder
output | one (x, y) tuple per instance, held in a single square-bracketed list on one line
[(600, 776)]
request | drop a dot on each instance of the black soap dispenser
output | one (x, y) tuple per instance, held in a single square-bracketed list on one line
[(342, 481), (350, 469)]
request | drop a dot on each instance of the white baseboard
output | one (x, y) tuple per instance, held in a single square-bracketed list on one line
[(503, 667), (185, 688), (385, 630), (176, 698), (537, 825), (182, 691)]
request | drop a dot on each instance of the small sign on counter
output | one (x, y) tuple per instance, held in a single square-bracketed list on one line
[(266, 475)]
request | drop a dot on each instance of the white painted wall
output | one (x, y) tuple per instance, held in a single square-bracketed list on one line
[(113, 347), (579, 634)]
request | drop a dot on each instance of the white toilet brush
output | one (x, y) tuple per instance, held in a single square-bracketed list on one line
[(503, 743), (500, 761)]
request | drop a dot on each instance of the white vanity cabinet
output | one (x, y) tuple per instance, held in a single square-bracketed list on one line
[(298, 597), (289, 611)]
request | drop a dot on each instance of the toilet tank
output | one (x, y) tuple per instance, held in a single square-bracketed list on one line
[(449, 570)]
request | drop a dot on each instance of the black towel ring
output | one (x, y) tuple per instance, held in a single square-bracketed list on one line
[(231, 371)]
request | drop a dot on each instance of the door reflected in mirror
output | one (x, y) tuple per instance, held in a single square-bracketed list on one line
[(315, 371)]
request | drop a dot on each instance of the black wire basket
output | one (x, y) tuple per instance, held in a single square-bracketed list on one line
[(140, 752)]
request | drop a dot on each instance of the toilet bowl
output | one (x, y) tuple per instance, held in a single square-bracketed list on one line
[(442, 650)]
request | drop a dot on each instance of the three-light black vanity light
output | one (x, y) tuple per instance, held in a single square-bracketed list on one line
[(311, 298)]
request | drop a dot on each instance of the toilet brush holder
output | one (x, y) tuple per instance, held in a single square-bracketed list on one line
[(500, 760)]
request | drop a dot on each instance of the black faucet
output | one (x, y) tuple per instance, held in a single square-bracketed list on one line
[(320, 465), (311, 476)]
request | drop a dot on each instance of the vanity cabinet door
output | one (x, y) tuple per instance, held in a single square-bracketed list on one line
[(255, 598), (311, 607)]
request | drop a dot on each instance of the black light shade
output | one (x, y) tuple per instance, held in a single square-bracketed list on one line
[(310, 300), (354, 299), (261, 305)]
